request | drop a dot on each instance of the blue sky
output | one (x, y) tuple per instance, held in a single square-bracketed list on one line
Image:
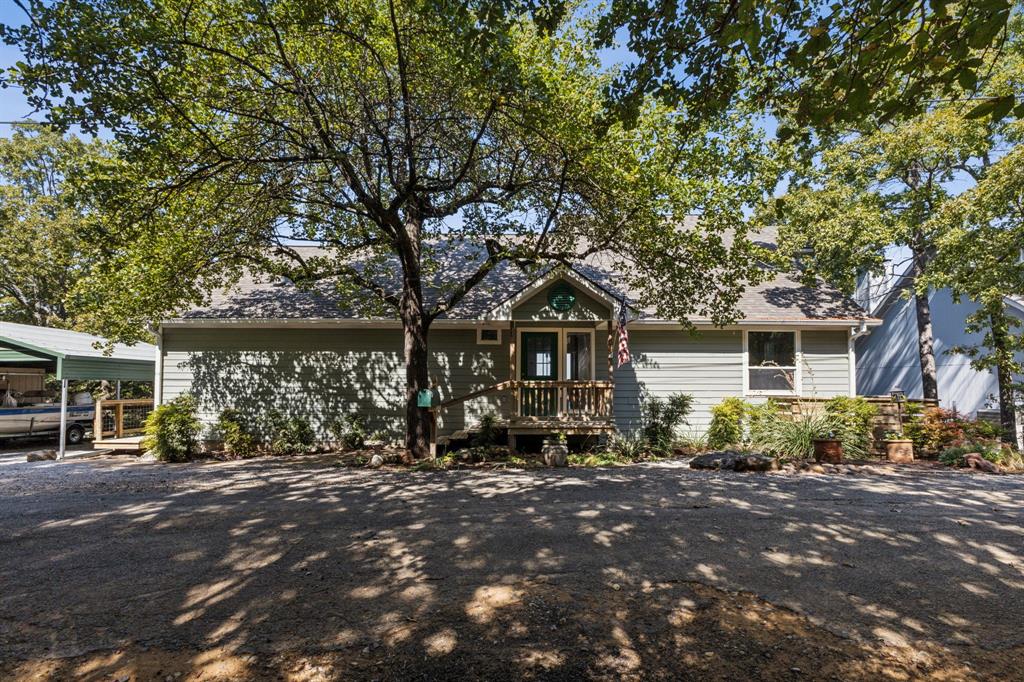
[(13, 106)]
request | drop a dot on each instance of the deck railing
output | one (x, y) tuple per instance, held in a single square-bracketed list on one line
[(119, 418), (577, 400), (542, 402)]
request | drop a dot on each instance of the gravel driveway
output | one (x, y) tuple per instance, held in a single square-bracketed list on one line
[(549, 573)]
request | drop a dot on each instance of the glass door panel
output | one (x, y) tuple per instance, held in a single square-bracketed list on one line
[(539, 363)]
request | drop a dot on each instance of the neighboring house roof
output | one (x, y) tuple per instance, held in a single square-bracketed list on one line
[(781, 299), (904, 281)]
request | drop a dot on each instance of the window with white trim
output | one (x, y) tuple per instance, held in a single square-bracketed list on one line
[(771, 362), (488, 336)]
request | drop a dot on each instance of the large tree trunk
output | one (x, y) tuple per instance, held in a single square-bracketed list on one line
[(1001, 349), (925, 338), (415, 326), (417, 419), (926, 347)]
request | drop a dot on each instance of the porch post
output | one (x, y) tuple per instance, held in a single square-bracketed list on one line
[(512, 351), (514, 407), (611, 351), (63, 417)]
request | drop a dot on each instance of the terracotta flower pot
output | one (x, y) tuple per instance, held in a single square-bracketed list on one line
[(899, 451), (828, 450)]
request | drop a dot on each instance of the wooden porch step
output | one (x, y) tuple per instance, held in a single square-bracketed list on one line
[(128, 444), (570, 427)]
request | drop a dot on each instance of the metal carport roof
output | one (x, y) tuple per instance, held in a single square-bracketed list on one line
[(74, 355)]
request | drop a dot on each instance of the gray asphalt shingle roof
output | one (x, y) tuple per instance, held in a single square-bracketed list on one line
[(783, 298)]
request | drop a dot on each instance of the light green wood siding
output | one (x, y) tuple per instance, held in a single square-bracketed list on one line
[(325, 373), (537, 308), (709, 366), (322, 374), (826, 371)]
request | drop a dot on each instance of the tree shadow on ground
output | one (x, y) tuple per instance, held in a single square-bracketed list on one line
[(551, 574)]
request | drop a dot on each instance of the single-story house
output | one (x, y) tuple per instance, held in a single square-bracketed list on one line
[(537, 351)]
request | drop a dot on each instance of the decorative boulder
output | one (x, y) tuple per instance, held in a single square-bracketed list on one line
[(734, 461), (41, 456), (975, 461), (377, 460)]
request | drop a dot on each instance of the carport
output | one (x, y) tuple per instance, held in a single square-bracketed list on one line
[(73, 356)]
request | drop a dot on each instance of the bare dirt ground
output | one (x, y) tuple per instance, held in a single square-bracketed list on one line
[(299, 569)]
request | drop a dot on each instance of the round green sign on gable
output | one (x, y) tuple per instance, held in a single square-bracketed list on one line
[(561, 297)]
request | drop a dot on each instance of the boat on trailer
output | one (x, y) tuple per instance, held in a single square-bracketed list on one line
[(43, 419)]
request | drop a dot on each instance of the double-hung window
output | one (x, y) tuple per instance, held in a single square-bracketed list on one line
[(772, 362)]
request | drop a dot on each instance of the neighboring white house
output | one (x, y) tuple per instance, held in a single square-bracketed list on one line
[(888, 357)]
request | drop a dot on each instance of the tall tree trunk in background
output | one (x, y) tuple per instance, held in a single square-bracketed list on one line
[(1002, 351), (415, 326), (925, 337)]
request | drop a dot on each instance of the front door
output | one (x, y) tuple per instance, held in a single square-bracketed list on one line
[(539, 363)]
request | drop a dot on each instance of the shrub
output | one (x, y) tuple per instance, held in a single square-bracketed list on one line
[(598, 459), (954, 455), (487, 431), (979, 429), (727, 423), (793, 438), (288, 435), (853, 419), (172, 430), (934, 429), (349, 431), (662, 416), (695, 441), (234, 431), (627, 448), (758, 419)]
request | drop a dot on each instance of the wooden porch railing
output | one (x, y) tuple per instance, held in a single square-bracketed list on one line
[(564, 399), (119, 418), (542, 401)]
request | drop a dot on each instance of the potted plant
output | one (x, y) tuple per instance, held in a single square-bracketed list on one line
[(898, 448), (556, 451), (828, 450)]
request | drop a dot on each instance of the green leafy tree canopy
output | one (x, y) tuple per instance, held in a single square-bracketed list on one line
[(44, 218), (422, 160)]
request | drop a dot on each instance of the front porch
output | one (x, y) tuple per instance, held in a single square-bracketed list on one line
[(572, 407), (559, 339), (558, 381)]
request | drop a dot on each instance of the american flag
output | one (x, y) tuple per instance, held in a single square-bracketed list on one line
[(623, 354)]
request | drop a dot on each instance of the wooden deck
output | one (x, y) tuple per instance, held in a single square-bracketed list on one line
[(574, 408), (571, 427), (126, 444)]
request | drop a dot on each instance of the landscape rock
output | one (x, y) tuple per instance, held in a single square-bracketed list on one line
[(377, 461), (41, 456), (731, 460), (975, 461)]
